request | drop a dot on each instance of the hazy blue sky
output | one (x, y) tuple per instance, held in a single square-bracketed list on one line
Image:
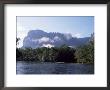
[(78, 26)]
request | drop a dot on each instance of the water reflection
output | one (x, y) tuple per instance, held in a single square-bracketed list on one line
[(53, 68)]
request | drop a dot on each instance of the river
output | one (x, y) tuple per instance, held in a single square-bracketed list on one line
[(23, 67)]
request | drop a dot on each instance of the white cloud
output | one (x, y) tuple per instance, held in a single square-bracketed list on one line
[(44, 39), (21, 33), (52, 41), (56, 38), (47, 45), (78, 35), (35, 40)]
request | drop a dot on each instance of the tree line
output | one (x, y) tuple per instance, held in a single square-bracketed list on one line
[(64, 53), (44, 54)]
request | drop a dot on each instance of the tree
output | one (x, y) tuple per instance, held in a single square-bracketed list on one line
[(17, 40), (66, 54), (85, 54), (18, 53)]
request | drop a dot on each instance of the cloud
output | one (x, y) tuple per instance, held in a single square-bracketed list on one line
[(21, 33), (56, 38), (44, 39), (47, 45), (35, 40), (78, 35)]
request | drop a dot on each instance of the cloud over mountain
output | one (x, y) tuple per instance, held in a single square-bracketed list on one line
[(40, 38)]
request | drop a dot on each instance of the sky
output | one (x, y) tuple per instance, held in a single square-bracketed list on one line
[(78, 26)]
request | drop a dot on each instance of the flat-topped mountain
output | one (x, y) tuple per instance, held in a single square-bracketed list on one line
[(40, 38)]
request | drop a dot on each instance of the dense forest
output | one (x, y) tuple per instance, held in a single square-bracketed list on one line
[(64, 53)]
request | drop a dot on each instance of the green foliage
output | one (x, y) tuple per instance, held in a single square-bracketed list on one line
[(54, 54), (18, 53), (65, 54), (85, 54)]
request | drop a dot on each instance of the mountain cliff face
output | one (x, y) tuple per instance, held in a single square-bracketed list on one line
[(39, 38)]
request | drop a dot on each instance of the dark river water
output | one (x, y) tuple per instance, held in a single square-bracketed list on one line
[(53, 68)]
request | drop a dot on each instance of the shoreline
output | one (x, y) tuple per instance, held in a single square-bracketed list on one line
[(53, 62)]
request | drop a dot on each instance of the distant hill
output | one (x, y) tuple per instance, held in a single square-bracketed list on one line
[(40, 38)]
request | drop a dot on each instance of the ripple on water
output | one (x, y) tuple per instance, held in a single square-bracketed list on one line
[(53, 68)]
